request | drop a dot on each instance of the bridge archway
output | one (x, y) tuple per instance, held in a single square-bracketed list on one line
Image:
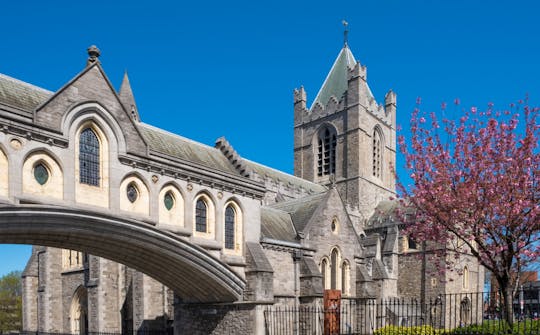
[(187, 269)]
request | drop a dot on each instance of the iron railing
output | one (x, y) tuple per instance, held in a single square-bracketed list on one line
[(466, 313)]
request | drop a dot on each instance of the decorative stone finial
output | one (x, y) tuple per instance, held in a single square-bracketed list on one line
[(93, 54), (345, 33)]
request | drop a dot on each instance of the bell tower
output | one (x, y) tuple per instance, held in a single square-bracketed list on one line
[(346, 138)]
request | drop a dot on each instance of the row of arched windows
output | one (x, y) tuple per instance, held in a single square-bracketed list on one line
[(326, 152), (335, 272), (42, 175)]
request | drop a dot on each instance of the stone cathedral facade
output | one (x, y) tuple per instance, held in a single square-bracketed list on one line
[(290, 237)]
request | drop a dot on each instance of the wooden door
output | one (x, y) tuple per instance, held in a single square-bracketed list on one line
[(332, 309)]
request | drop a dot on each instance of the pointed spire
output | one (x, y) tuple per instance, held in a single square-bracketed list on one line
[(336, 81), (345, 33), (127, 98)]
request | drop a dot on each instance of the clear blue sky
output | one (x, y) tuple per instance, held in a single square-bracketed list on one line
[(212, 68)]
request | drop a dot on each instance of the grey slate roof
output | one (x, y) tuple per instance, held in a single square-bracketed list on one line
[(301, 210), (277, 224), (285, 178), (180, 147), (18, 94)]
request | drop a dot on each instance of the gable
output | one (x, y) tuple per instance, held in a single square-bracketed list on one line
[(91, 85), (319, 230)]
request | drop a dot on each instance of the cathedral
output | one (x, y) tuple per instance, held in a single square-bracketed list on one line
[(330, 226)]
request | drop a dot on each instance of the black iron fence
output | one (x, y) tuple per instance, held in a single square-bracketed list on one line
[(467, 313)]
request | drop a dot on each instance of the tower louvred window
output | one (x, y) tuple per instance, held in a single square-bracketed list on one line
[(326, 153)]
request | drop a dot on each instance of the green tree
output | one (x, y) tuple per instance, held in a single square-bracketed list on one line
[(11, 302)]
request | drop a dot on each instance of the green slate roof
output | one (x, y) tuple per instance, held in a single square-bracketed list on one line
[(180, 147), (285, 178), (335, 83), (18, 94)]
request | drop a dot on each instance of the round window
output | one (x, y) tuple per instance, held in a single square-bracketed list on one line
[(132, 193), (168, 200), (41, 174)]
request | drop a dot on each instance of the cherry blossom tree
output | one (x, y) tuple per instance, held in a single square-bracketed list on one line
[(476, 189)]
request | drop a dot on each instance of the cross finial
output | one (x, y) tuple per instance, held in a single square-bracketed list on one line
[(345, 32)]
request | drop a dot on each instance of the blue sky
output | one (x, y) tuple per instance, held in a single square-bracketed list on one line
[(213, 68)]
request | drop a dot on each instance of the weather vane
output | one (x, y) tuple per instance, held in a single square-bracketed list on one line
[(345, 32)]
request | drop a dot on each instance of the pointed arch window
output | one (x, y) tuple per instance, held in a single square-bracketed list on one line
[(326, 153), (324, 272), (465, 282), (334, 268), (377, 153), (230, 223), (345, 273), (201, 216), (89, 160)]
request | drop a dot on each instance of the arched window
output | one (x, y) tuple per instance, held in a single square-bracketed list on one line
[(377, 153), (345, 273), (79, 312), (465, 278), (334, 266), (201, 216), (230, 222), (89, 172), (324, 272), (326, 153)]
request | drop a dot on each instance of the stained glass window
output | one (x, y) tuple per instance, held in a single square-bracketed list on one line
[(168, 200), (230, 221), (89, 158), (200, 216), (132, 193), (41, 174)]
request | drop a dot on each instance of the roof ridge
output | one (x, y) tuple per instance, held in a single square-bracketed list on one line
[(297, 200), (170, 133), (18, 81), (282, 172)]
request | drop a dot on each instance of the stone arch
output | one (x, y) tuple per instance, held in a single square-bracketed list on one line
[(54, 185), (175, 215), (141, 203), (210, 216), (98, 114), (78, 313), (189, 270), (237, 226)]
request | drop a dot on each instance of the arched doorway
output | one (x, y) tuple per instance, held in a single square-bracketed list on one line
[(79, 312)]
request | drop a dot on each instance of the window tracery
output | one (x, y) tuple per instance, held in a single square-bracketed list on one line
[(89, 160)]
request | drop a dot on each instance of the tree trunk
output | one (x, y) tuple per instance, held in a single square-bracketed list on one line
[(507, 303)]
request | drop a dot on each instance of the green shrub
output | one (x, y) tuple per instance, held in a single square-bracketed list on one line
[(416, 330)]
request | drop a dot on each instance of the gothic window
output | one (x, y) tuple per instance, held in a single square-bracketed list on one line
[(72, 259), (230, 222), (334, 267), (465, 283), (89, 158), (326, 153), (324, 272), (345, 273), (377, 153), (201, 216)]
